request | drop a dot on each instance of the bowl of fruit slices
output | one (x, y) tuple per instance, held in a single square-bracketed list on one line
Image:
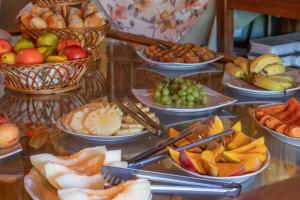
[(234, 158), (52, 65), (182, 95), (281, 120)]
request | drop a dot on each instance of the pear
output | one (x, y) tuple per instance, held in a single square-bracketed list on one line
[(47, 39), (23, 44), (8, 58)]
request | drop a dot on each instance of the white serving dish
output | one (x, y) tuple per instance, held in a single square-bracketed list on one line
[(242, 86), (176, 65), (214, 100)]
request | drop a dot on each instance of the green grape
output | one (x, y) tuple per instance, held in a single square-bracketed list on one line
[(165, 99), (189, 90), (178, 102), (184, 86), (196, 94), (190, 103), (166, 92), (184, 102), (182, 93), (159, 86), (190, 97), (169, 102)]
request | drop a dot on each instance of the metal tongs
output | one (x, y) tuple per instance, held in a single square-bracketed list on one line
[(159, 152), (177, 184), (130, 108)]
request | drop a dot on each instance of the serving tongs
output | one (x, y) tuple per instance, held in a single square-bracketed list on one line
[(175, 184), (153, 155), (130, 108)]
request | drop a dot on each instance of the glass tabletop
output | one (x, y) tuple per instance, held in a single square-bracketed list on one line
[(119, 71)]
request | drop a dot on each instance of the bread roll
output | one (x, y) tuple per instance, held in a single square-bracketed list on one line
[(38, 10), (95, 20), (56, 21), (75, 22), (26, 17), (57, 10), (75, 11), (9, 135), (37, 23), (89, 9), (46, 15)]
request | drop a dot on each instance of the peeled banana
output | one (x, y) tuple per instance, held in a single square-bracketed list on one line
[(234, 70), (263, 61), (273, 69), (270, 83), (242, 63)]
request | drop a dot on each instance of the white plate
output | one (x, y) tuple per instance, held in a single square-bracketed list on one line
[(97, 138), (38, 187), (246, 88), (282, 137), (214, 100), (175, 65), (236, 179), (10, 151)]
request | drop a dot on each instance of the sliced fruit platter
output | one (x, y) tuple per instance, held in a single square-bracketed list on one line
[(263, 76), (236, 158), (182, 95), (103, 121), (78, 176), (281, 120), (179, 56)]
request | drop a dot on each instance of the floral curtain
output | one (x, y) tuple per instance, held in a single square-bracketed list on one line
[(161, 19)]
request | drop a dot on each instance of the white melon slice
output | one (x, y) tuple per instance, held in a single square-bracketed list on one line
[(52, 171), (70, 180), (129, 190), (122, 164), (82, 156), (112, 156)]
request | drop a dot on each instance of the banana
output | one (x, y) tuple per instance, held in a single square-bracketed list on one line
[(270, 83), (234, 70), (242, 63), (283, 78), (56, 58), (273, 69), (262, 61)]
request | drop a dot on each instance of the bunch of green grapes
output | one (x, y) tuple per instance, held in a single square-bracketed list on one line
[(180, 92)]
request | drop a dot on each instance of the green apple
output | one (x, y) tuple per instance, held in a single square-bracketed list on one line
[(46, 51), (8, 58), (47, 39), (23, 44)]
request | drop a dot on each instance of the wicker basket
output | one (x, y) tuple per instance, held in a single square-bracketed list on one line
[(52, 3), (47, 78), (89, 38)]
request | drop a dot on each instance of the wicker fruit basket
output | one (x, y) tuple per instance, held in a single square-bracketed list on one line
[(47, 78), (89, 38), (52, 3)]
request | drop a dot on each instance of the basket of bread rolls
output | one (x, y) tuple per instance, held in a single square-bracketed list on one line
[(81, 22), (51, 65), (52, 3)]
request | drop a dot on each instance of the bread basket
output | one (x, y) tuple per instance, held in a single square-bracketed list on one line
[(46, 78), (52, 3)]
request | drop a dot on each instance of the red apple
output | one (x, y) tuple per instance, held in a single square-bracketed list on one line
[(29, 56), (5, 46), (63, 43), (75, 52)]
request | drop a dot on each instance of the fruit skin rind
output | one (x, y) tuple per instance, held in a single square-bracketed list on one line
[(263, 61)]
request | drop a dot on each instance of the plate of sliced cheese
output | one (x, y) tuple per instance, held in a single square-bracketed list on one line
[(103, 121)]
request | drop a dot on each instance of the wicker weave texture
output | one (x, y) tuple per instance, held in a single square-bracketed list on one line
[(47, 78), (53, 3)]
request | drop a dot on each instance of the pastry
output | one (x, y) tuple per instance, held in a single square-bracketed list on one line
[(56, 21), (46, 15), (75, 22), (89, 9), (26, 17), (95, 20), (38, 11), (37, 23)]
